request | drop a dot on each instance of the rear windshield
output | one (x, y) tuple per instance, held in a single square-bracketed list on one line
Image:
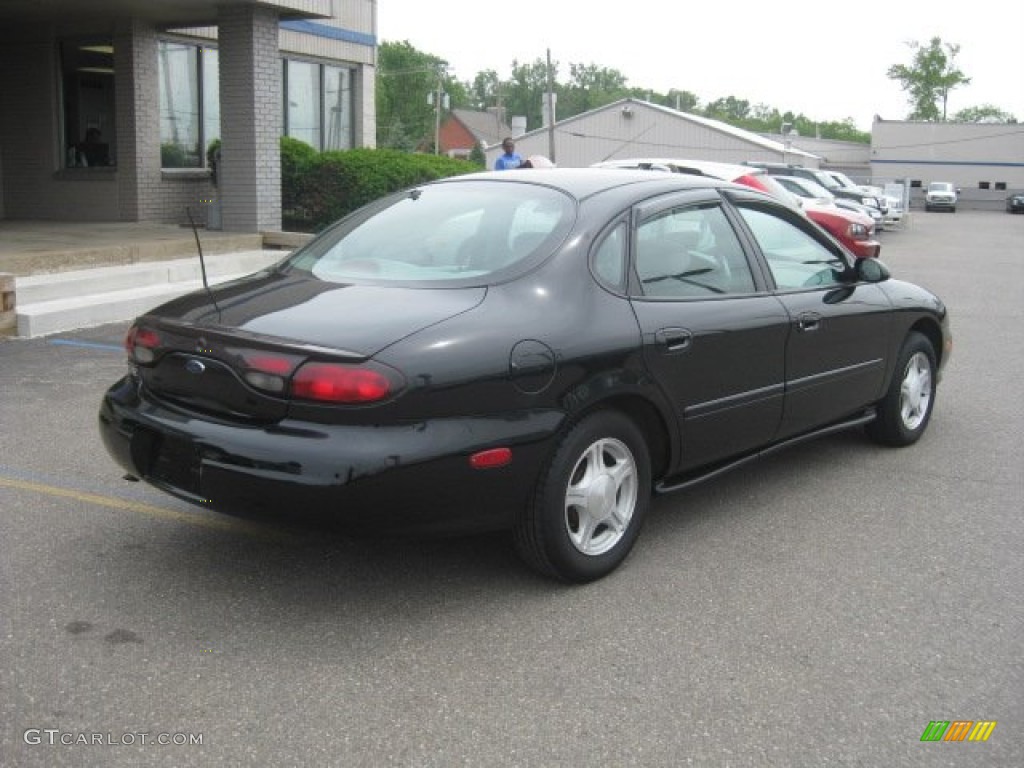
[(471, 232)]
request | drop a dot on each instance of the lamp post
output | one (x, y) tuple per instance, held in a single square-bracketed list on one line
[(787, 141), (438, 99)]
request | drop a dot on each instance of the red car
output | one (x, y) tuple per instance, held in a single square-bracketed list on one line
[(852, 229)]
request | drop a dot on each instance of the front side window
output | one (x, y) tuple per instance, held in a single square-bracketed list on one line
[(691, 252), (87, 92), (189, 103), (796, 259)]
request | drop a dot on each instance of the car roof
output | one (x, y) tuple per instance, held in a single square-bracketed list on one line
[(714, 169), (585, 182)]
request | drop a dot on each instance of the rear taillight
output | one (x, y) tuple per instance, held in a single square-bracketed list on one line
[(334, 383), (751, 180), (268, 371), (141, 344)]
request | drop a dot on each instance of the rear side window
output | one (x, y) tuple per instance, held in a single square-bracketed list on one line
[(691, 252), (610, 257), (460, 232)]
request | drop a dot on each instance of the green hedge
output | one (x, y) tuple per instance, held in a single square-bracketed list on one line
[(318, 188)]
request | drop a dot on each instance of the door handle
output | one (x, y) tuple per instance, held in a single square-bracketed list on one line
[(808, 321), (674, 339)]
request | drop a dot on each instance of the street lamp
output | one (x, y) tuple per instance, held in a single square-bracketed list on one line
[(438, 100)]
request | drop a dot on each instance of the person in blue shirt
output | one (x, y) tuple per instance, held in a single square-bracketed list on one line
[(510, 159)]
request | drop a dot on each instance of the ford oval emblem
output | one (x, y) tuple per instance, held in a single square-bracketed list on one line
[(194, 366)]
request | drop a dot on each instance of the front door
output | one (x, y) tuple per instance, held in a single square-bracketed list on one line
[(836, 353)]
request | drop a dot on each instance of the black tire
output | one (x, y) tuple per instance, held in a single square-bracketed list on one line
[(906, 409), (605, 459)]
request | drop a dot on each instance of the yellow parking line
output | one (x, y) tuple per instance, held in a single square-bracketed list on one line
[(216, 523)]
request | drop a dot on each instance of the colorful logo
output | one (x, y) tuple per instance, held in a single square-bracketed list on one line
[(958, 730)]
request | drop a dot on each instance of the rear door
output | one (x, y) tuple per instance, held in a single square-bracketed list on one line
[(713, 337)]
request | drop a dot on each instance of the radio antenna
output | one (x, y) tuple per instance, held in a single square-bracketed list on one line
[(202, 261)]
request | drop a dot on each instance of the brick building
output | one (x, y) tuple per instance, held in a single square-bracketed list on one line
[(463, 129), (112, 110)]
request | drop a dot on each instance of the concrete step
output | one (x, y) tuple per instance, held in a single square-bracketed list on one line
[(70, 300), (34, 253)]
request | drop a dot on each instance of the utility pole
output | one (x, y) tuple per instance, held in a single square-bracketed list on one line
[(438, 99), (551, 112)]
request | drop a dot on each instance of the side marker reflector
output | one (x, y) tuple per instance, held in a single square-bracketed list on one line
[(489, 459)]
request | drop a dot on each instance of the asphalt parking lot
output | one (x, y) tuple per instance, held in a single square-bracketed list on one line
[(819, 608)]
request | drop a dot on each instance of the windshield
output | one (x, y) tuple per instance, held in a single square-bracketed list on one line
[(940, 186), (844, 180), (826, 181), (461, 232), (805, 188)]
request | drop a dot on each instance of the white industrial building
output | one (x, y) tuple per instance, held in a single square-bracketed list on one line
[(637, 128), (985, 160)]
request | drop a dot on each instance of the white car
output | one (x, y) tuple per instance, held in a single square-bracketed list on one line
[(812, 190), (941, 196)]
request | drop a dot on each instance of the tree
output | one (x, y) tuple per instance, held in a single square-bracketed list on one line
[(590, 87), (405, 77), (485, 90), (728, 109), (986, 113), (524, 93), (929, 78)]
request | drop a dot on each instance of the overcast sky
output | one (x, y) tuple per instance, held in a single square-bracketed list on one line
[(827, 60)]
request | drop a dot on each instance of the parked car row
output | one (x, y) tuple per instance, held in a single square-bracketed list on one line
[(814, 192), (838, 184)]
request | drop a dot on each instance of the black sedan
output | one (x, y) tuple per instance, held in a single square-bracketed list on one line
[(536, 351)]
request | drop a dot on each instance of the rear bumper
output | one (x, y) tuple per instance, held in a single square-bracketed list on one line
[(405, 478)]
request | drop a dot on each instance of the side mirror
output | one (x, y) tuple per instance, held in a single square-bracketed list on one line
[(871, 271)]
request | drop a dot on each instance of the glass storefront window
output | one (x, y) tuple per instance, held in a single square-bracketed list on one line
[(179, 105), (209, 63), (338, 107), (319, 104), (87, 93), (189, 79), (303, 105)]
